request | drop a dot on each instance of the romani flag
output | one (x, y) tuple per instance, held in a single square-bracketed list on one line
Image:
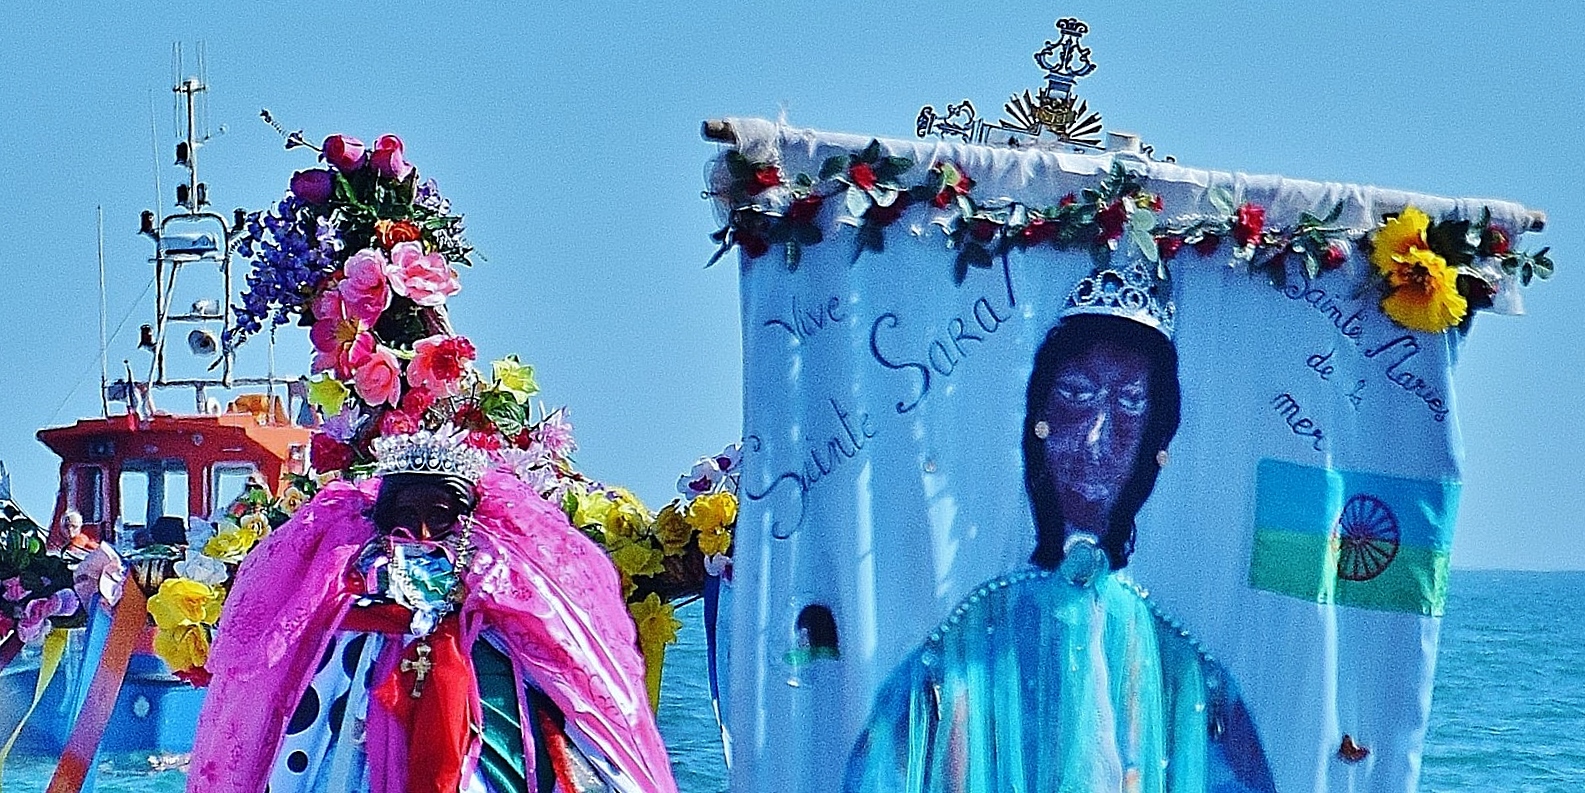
[(1352, 538)]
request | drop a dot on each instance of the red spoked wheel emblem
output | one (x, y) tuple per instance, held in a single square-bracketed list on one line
[(1367, 536)]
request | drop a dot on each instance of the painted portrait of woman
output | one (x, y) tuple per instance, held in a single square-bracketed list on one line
[(1062, 675)]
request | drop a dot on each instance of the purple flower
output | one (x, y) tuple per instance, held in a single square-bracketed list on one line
[(346, 154), (13, 589), (555, 434), (387, 158), (36, 617), (314, 186), (428, 196)]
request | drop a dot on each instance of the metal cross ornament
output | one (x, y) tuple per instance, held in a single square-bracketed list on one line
[(420, 666), (1054, 118)]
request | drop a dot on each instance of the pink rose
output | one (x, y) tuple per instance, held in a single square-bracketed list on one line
[(422, 278), (345, 153), (378, 380), (387, 158), (397, 422), (365, 292), (341, 343), (438, 364)]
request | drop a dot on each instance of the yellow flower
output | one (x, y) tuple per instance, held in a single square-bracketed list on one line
[(231, 546), (256, 524), (628, 585), (673, 530), (657, 627), (183, 602), (514, 378), (627, 517), (292, 499), (588, 509), (328, 394), (637, 558), (183, 647), (1400, 235), (715, 541), (713, 512), (1424, 292)]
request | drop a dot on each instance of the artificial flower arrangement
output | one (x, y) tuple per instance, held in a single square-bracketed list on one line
[(365, 255), (663, 558), (767, 207), (187, 605), (36, 594)]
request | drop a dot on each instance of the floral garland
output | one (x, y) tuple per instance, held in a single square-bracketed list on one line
[(767, 207)]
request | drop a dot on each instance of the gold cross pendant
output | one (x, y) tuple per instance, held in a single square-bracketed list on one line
[(420, 666)]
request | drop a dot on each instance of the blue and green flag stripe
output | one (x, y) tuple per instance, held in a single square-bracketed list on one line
[(1353, 538)]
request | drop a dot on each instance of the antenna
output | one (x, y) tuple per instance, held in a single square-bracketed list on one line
[(104, 365)]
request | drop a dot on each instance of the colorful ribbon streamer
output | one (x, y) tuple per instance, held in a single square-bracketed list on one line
[(54, 648)]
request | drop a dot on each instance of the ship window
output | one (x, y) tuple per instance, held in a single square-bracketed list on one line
[(87, 492), (153, 489), (229, 479), (135, 499)]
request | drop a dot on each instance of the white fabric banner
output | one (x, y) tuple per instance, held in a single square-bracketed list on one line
[(884, 474)]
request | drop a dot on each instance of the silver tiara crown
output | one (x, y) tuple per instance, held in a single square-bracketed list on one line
[(1130, 291), (429, 452)]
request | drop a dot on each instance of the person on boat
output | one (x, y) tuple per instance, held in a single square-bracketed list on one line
[(70, 540), (1061, 675), (437, 627)]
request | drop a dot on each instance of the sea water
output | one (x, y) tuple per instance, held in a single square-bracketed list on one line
[(1508, 713)]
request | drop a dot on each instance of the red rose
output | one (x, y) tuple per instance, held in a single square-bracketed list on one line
[(1168, 247), (1496, 242), (1068, 200), (398, 422), (400, 231), (1039, 230), (805, 209), (416, 401), (1247, 224), (1207, 245), (887, 215), (1111, 220), (982, 230), (329, 454), (764, 179), (862, 175), (471, 418), (488, 441), (1335, 254)]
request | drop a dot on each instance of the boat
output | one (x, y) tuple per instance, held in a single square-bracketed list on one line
[(138, 475)]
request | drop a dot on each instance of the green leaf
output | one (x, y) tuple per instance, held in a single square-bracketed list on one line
[(1331, 217), (1145, 242), (833, 166), (1221, 200), (1142, 220), (1450, 240), (505, 411), (973, 254), (871, 152)]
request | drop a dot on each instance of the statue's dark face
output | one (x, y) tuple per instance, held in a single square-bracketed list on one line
[(1095, 416), (424, 510)]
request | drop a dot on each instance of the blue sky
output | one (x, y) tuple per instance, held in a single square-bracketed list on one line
[(568, 134)]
